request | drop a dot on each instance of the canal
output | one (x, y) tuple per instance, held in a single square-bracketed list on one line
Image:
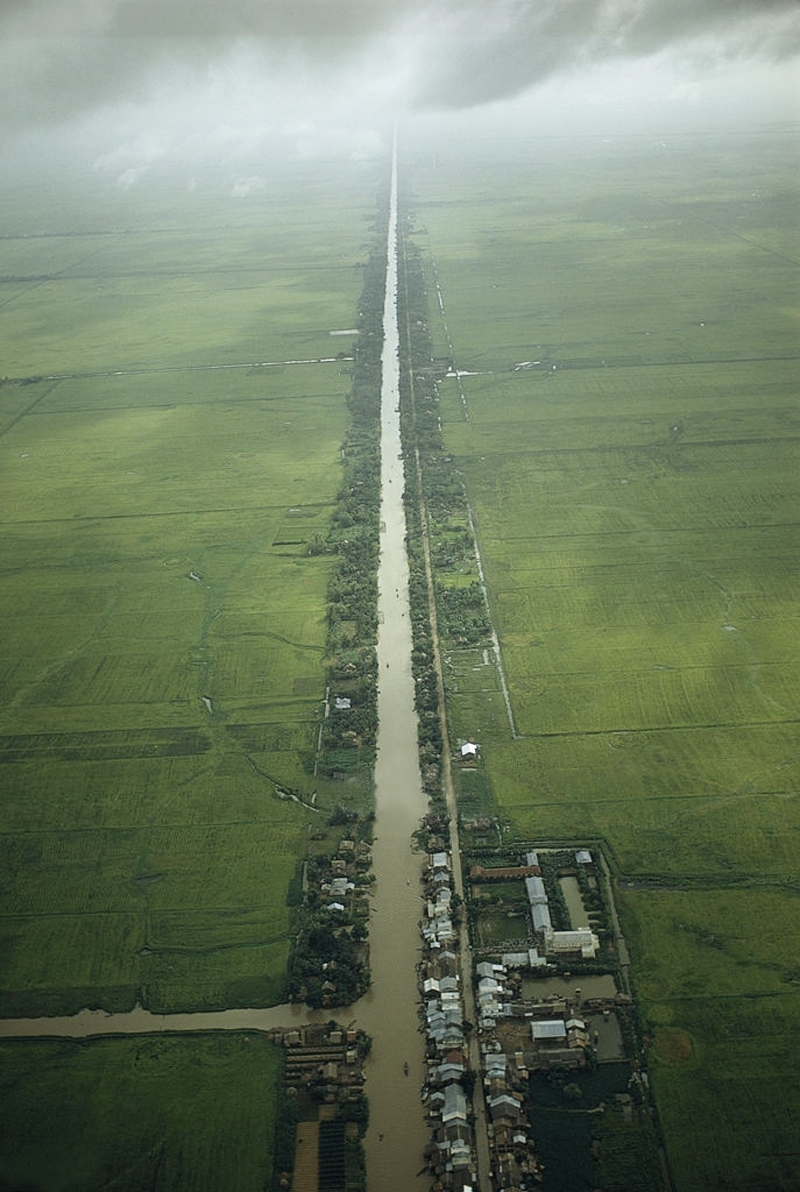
[(397, 1136)]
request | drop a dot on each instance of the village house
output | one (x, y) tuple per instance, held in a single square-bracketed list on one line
[(582, 944)]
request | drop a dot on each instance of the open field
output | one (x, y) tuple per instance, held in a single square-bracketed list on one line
[(164, 628), (107, 279), (634, 487), (156, 1113), (721, 966)]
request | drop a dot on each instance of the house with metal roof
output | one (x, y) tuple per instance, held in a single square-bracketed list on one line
[(540, 917), (534, 888), (581, 941), (548, 1030)]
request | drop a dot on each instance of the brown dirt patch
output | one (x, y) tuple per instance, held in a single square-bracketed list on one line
[(673, 1046), (306, 1158)]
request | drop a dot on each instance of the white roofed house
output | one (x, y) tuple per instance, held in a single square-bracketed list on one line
[(455, 1104), (549, 1031), (495, 1065), (438, 931), (558, 1044), (505, 1106), (540, 917), (451, 1068), (338, 887), (530, 959), (580, 942), (441, 904), (534, 887)]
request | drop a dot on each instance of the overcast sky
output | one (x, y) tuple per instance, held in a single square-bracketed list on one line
[(142, 80)]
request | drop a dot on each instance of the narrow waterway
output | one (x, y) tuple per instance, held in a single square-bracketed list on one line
[(397, 1135), (88, 1023)]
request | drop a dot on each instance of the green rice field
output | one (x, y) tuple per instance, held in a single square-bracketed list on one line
[(166, 1112), (626, 314), (165, 464)]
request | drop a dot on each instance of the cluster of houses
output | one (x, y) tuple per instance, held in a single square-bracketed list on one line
[(325, 1066), (352, 857), (517, 1036), (514, 1162), (578, 944), (326, 1057), (542, 1033), (522, 1034), (450, 1153)]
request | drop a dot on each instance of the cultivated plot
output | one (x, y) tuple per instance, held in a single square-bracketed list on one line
[(628, 442), (164, 625)]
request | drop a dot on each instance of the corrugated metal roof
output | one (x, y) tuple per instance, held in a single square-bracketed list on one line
[(549, 1028)]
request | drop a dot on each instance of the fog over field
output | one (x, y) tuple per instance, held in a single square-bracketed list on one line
[(128, 83), (598, 257)]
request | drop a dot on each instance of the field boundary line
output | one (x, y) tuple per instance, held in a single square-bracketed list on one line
[(661, 728), (175, 368), (455, 372), (498, 657)]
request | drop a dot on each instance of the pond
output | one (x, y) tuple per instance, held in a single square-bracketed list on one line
[(572, 896), (600, 985)]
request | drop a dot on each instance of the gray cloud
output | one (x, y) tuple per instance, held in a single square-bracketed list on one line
[(532, 42), (64, 60)]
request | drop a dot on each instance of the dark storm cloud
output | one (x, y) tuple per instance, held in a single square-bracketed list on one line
[(62, 58), (520, 44)]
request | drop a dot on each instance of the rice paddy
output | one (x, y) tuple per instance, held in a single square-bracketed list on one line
[(625, 317), (164, 626)]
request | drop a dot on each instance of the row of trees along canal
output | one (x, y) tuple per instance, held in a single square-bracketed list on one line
[(348, 737)]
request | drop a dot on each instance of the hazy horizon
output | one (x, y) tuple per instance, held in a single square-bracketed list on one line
[(123, 85)]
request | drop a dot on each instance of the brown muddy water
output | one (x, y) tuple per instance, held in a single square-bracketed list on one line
[(397, 1134), (88, 1023), (601, 985)]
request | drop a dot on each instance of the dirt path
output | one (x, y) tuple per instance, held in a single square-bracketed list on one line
[(465, 951)]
